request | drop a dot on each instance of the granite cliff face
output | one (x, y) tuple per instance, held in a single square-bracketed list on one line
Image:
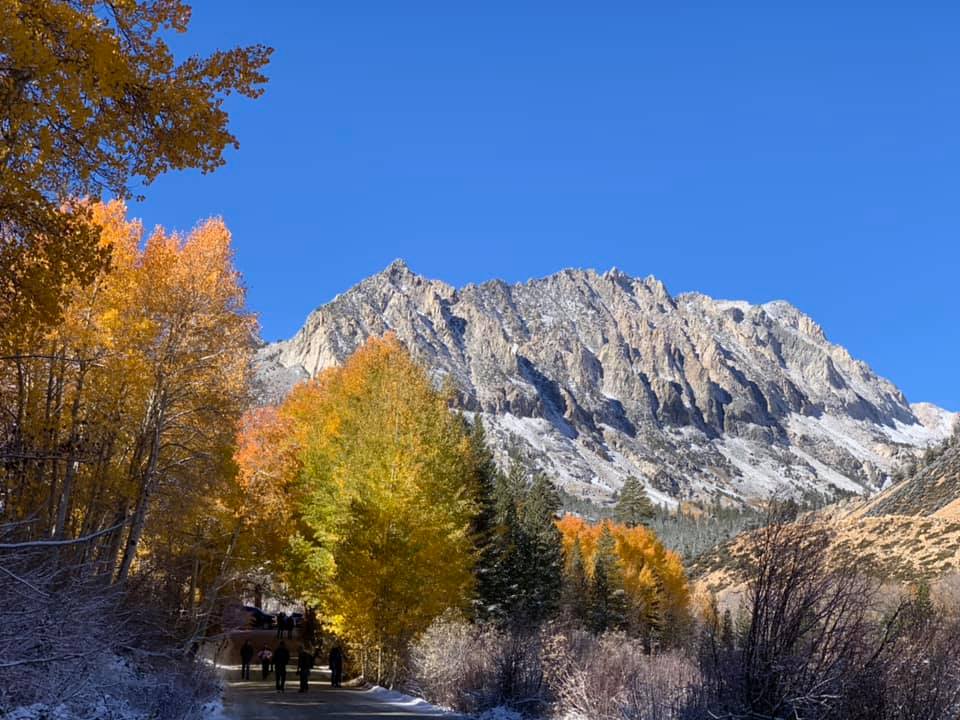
[(595, 377)]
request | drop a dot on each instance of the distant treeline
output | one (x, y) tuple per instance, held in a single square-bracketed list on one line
[(692, 529)]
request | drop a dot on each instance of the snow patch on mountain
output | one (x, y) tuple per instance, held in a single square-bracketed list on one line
[(597, 377)]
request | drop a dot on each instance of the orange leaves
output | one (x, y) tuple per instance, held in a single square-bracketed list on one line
[(92, 99), (650, 571), (268, 464), (132, 399)]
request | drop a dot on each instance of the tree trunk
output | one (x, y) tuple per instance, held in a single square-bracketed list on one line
[(66, 492), (213, 594), (146, 491)]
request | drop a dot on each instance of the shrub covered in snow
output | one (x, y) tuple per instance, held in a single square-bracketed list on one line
[(474, 668), (612, 678), (500, 713), (75, 647), (503, 675)]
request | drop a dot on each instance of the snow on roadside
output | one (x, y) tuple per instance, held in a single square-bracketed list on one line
[(40, 711), (407, 702), (213, 710), (500, 713)]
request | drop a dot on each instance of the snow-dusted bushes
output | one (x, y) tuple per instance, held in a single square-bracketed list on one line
[(819, 640), (551, 671), (73, 646), (897, 662), (474, 668), (612, 678)]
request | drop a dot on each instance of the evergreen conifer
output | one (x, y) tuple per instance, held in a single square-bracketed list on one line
[(485, 527), (576, 587), (633, 506), (608, 602)]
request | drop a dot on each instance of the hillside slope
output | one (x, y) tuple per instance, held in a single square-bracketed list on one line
[(909, 531)]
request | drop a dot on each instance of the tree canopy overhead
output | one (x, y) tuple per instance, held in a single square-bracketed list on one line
[(91, 100)]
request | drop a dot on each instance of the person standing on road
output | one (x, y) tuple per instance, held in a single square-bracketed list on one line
[(246, 655), (304, 663), (336, 666), (281, 656), (281, 624), (290, 627), (265, 657)]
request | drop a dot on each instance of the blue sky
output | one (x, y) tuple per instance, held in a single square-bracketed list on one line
[(755, 151)]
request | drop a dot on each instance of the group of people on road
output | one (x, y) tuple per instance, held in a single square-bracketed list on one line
[(279, 658)]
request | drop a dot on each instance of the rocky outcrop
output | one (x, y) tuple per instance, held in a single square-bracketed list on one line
[(599, 376)]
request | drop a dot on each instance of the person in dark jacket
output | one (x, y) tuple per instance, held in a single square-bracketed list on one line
[(281, 656), (246, 655), (336, 666), (304, 663), (281, 624)]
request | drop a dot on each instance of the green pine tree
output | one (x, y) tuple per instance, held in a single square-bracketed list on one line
[(608, 601), (486, 529), (576, 585), (527, 555), (542, 556), (633, 506)]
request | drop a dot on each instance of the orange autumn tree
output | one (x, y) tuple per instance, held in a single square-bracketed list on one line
[(125, 411), (93, 102), (653, 579), (376, 473)]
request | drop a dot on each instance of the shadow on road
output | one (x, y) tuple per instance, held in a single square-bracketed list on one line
[(258, 699)]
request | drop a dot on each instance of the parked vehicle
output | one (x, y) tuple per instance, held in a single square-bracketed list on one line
[(257, 618)]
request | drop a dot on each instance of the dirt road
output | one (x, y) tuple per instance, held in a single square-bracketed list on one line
[(257, 699)]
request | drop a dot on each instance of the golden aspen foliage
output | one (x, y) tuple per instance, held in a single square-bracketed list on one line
[(268, 469), (382, 542), (91, 99), (122, 416), (653, 576)]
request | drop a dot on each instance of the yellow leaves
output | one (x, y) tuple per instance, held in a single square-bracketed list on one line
[(91, 97), (378, 488), (146, 374), (649, 569)]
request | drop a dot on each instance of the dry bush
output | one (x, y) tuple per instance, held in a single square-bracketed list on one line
[(612, 678), (72, 646), (476, 667), (819, 641), (572, 673), (918, 673)]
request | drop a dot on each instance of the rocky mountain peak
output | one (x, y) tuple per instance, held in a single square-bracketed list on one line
[(600, 376)]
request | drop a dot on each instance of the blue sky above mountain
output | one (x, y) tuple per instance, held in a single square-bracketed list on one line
[(758, 152)]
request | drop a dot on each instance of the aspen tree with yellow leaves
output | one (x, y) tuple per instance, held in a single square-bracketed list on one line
[(652, 577), (382, 542), (119, 493), (91, 100), (123, 415)]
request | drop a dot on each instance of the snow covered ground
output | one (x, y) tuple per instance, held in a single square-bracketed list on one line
[(396, 699)]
